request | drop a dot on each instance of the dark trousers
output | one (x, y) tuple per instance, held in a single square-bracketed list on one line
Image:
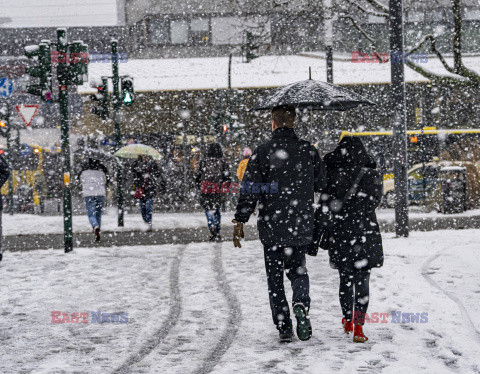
[(354, 294), (214, 219), (146, 207), (292, 260), (94, 206)]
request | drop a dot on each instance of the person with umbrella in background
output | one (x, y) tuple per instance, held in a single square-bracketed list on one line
[(4, 175), (352, 235), (212, 172), (147, 178), (289, 171), (94, 178)]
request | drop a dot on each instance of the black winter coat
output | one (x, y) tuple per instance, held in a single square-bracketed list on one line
[(149, 176), (285, 217), (352, 234), (212, 172), (4, 174)]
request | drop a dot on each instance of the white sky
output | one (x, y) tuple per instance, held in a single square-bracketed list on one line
[(58, 13)]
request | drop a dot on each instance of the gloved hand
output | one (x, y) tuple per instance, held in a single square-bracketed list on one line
[(237, 233)]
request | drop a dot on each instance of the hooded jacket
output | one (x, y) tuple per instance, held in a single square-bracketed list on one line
[(212, 170), (94, 177), (352, 234)]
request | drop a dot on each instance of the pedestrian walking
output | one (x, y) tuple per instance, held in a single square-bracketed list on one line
[(4, 174), (212, 173), (242, 166), (282, 176), (94, 178), (352, 235), (147, 177)]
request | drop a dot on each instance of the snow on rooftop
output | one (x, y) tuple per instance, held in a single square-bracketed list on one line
[(266, 71), (58, 13)]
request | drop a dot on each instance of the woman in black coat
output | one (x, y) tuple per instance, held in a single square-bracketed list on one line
[(211, 176), (352, 236)]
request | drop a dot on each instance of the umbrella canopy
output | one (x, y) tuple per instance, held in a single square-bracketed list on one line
[(135, 150), (311, 94)]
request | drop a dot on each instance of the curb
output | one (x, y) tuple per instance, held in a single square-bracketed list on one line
[(200, 234)]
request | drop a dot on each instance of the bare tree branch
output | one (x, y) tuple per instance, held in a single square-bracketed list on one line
[(463, 71), (378, 6), (365, 34), (365, 10), (465, 76)]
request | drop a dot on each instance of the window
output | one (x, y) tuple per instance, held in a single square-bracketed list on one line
[(158, 31), (200, 30), (436, 15), (231, 30), (415, 17), (472, 14), (226, 30), (179, 31), (375, 19)]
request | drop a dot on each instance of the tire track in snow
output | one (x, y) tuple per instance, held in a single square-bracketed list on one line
[(465, 316), (170, 321), (234, 315)]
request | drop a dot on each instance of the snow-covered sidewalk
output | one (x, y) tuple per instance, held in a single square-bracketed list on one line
[(30, 224), (204, 307)]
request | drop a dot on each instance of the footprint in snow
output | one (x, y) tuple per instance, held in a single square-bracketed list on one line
[(407, 327), (389, 356)]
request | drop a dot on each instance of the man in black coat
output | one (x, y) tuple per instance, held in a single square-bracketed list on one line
[(4, 174), (282, 175)]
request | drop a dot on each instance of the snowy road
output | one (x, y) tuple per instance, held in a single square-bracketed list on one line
[(203, 308)]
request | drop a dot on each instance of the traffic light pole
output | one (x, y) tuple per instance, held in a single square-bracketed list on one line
[(399, 117), (118, 129), (63, 81)]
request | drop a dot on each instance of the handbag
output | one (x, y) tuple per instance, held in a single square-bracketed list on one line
[(140, 191), (320, 225)]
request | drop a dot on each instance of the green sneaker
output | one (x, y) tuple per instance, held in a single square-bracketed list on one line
[(304, 327)]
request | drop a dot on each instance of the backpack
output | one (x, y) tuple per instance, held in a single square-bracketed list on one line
[(213, 170)]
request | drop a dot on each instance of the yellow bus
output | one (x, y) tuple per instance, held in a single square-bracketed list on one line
[(423, 145), (35, 168)]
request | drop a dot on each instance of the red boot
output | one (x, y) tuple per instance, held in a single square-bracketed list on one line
[(347, 326), (358, 336)]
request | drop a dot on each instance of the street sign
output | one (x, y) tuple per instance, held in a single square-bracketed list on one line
[(6, 87), (27, 112)]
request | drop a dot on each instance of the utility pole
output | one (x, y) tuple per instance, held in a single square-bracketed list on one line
[(328, 30), (5, 129), (118, 129), (399, 117), (72, 60), (63, 80)]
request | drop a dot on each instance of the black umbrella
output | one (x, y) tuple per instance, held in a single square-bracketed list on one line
[(311, 94)]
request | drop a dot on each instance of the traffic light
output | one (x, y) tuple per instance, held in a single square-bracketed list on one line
[(101, 109), (42, 54), (3, 121), (128, 96), (250, 47), (78, 56)]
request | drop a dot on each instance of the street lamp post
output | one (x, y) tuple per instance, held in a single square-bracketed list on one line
[(399, 117)]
